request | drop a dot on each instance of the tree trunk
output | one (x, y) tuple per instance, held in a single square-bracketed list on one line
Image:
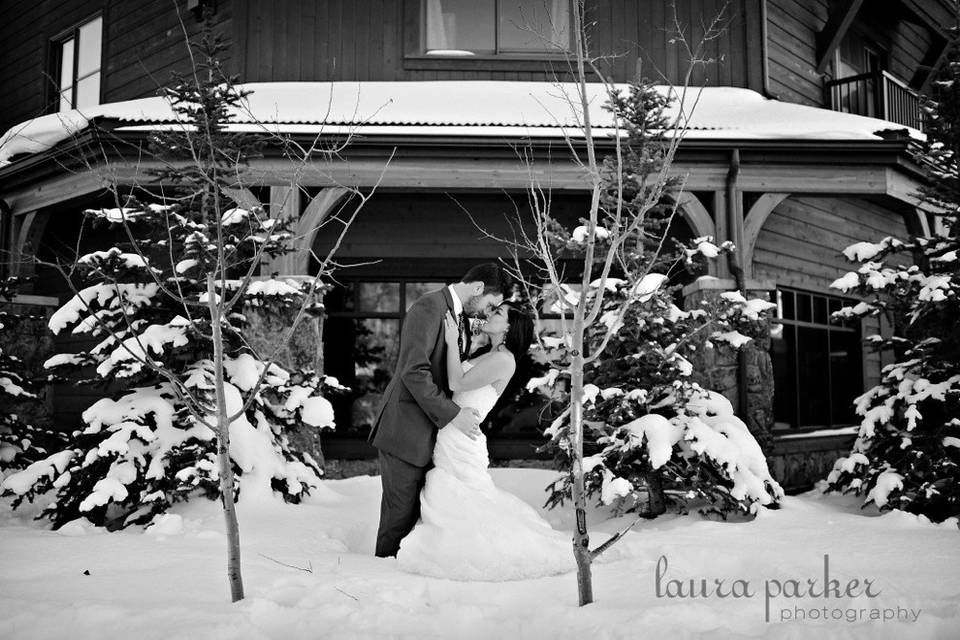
[(656, 500), (234, 576), (581, 537)]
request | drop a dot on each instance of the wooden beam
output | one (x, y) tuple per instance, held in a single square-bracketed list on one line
[(285, 202), (842, 13), (935, 15), (927, 69), (423, 173), (696, 215), (29, 231), (297, 262), (243, 197), (755, 218), (469, 173), (822, 179), (722, 229), (920, 221), (53, 191), (905, 189)]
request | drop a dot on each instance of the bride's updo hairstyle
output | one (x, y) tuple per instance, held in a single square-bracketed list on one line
[(519, 334)]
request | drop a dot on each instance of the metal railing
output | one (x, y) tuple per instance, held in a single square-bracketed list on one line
[(878, 95)]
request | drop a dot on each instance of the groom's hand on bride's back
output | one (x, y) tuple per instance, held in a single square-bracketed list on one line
[(468, 421)]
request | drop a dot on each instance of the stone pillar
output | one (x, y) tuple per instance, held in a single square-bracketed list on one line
[(718, 368), (266, 327)]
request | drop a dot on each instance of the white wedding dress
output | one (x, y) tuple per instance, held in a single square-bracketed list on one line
[(471, 530)]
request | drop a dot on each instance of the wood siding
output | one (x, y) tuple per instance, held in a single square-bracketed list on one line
[(403, 228), (142, 43), (371, 40), (145, 42), (801, 242), (792, 29)]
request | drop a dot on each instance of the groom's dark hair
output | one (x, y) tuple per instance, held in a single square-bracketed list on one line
[(493, 277)]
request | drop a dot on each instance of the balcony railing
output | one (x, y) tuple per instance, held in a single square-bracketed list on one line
[(878, 95)]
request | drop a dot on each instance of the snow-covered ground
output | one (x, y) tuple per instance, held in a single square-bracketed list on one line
[(169, 582)]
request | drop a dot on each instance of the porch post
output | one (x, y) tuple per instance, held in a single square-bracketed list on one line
[(266, 325), (28, 228)]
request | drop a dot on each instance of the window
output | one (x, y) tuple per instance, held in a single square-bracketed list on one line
[(77, 71), (496, 27), (817, 364)]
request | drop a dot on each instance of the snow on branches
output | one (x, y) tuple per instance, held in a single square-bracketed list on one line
[(905, 456), (154, 441), (645, 414)]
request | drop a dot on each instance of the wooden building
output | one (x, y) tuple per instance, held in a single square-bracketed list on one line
[(801, 147)]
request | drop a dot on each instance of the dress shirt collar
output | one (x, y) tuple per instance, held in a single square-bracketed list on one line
[(457, 305)]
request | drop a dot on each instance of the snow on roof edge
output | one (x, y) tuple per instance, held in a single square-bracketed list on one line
[(483, 107)]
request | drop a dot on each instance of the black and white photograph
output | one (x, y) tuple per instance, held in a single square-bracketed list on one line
[(535, 319)]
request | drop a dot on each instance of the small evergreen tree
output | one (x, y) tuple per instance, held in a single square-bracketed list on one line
[(147, 302), (907, 452), (659, 438), (200, 410), (654, 429), (615, 257)]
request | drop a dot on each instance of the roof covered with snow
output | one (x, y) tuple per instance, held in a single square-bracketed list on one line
[(463, 108)]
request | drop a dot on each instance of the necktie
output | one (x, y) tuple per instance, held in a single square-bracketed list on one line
[(460, 327)]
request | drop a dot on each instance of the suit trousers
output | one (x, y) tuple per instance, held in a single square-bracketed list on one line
[(400, 504)]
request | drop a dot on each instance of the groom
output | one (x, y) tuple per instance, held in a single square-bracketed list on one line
[(417, 401)]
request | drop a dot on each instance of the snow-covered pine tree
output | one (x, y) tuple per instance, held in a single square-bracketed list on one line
[(659, 439), (615, 251), (653, 428), (152, 305), (907, 452)]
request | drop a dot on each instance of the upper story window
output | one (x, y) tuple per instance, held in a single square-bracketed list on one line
[(496, 27), (77, 73)]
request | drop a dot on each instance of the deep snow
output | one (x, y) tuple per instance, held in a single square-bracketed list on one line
[(169, 582)]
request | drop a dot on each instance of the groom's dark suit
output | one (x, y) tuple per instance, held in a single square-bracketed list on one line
[(415, 405)]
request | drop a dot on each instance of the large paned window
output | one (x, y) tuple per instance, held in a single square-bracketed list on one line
[(817, 363), (361, 346), (77, 55), (496, 27)]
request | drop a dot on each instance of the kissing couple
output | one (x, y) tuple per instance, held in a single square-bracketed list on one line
[(441, 514)]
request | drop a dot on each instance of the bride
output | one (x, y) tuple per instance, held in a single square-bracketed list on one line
[(469, 529)]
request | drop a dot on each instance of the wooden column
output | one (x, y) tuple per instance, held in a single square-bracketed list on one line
[(297, 262), (722, 229), (699, 220), (28, 229)]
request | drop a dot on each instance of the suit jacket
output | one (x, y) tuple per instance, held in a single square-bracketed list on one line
[(416, 402)]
